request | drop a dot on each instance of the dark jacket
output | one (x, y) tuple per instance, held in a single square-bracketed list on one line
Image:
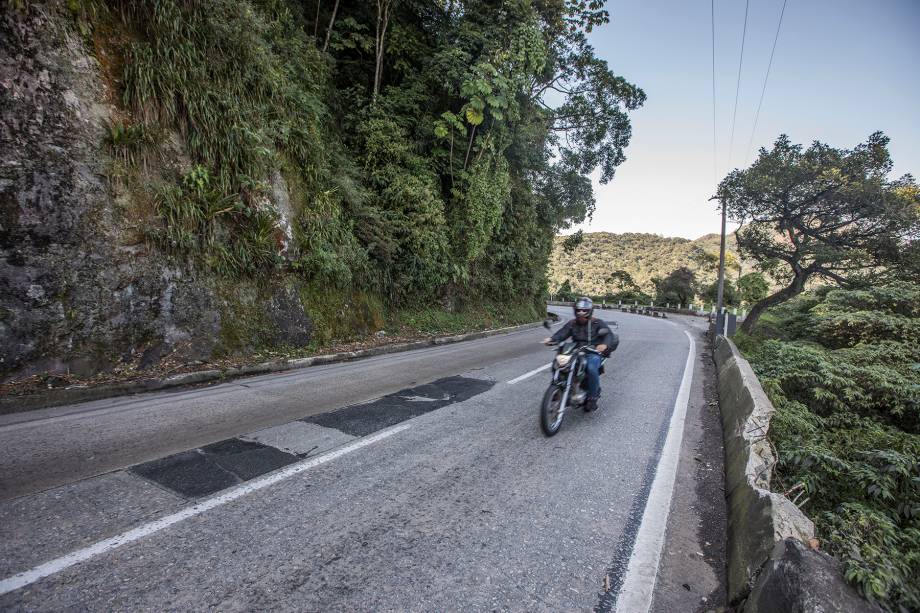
[(593, 332)]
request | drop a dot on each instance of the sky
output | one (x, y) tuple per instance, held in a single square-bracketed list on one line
[(842, 70)]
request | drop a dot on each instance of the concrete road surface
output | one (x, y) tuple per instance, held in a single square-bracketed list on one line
[(413, 481)]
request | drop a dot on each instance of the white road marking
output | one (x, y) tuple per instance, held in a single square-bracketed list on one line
[(642, 572), (81, 555), (529, 374)]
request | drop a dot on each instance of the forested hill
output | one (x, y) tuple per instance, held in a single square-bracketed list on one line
[(190, 179), (588, 265)]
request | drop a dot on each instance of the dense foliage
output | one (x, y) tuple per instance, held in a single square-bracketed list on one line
[(824, 213), (842, 368), (424, 150)]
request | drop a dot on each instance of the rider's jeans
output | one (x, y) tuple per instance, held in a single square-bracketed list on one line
[(593, 376)]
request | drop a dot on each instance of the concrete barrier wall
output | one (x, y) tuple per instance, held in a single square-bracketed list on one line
[(770, 566)]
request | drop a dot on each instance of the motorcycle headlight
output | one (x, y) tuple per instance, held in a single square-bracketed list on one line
[(562, 360)]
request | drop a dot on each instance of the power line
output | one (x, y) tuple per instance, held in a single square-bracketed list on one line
[(731, 141), (715, 159), (764, 90)]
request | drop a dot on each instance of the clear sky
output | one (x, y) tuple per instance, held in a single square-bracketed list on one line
[(842, 70)]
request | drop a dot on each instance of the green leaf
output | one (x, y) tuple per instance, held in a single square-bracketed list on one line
[(474, 116)]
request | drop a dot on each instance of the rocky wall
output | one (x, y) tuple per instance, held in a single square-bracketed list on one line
[(80, 290)]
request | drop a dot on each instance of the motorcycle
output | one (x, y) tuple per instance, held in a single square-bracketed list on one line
[(568, 388)]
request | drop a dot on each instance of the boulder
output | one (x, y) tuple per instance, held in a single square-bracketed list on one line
[(797, 579)]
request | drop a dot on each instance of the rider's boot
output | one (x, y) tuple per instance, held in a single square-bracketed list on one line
[(590, 405)]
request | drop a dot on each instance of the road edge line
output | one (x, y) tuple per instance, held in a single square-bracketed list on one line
[(56, 565), (638, 587)]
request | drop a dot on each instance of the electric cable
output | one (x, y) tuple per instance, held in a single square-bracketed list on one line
[(731, 141), (715, 158), (764, 90)]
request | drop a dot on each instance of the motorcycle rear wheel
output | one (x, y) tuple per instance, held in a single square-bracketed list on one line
[(551, 413)]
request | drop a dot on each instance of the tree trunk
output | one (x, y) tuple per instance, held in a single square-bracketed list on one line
[(383, 19), (466, 160), (488, 136), (316, 21), (335, 9), (796, 288), (451, 157)]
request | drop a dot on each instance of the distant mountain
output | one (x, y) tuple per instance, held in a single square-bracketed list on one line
[(643, 256)]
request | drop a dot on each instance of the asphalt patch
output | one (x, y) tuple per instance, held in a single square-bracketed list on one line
[(189, 473), (201, 472), (367, 418), (205, 471), (247, 459)]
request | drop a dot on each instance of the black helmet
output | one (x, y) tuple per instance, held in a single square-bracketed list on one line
[(583, 309)]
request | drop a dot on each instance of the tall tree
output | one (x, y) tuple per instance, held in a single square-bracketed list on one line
[(383, 21), (622, 281), (752, 287), (823, 213), (465, 143), (335, 9), (678, 287), (572, 241)]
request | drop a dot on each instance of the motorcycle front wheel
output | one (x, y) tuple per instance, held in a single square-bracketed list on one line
[(551, 413)]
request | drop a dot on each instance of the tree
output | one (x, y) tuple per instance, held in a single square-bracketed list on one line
[(572, 241), (622, 281), (472, 121), (732, 262), (752, 287), (383, 20), (335, 9), (729, 295), (706, 260), (565, 293), (677, 288), (821, 212)]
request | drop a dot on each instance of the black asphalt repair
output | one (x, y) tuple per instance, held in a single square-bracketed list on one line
[(212, 468), (204, 471), (364, 419)]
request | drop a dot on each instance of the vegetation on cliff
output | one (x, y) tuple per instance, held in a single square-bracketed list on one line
[(412, 137), (842, 368), (252, 174)]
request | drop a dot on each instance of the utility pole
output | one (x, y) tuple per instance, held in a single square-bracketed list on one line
[(719, 298)]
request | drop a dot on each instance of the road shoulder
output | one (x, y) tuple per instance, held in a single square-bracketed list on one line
[(691, 574)]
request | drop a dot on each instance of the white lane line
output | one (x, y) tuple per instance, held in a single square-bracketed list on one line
[(529, 374), (642, 572), (81, 555)]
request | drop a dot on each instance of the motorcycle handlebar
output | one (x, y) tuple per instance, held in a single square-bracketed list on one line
[(586, 348)]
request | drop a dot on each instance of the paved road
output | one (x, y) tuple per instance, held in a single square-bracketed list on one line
[(434, 489)]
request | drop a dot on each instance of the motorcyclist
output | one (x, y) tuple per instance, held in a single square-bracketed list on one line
[(586, 329)]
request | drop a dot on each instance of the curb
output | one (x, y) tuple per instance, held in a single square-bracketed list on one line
[(76, 394), (770, 566)]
